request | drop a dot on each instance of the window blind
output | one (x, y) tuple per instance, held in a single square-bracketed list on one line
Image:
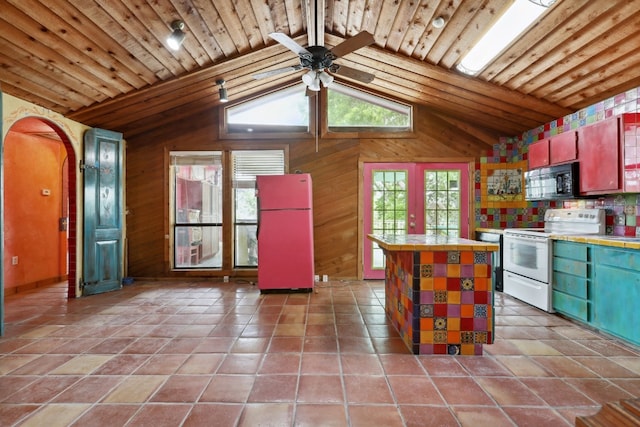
[(249, 164)]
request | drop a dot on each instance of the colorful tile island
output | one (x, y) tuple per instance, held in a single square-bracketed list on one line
[(438, 292)]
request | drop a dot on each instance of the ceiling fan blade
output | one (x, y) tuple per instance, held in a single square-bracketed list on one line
[(270, 73), (352, 73), (310, 93), (361, 39), (289, 43)]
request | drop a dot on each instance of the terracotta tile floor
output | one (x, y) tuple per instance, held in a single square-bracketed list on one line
[(202, 353)]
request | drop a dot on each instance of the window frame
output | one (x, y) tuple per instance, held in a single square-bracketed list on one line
[(349, 90), (226, 133), (235, 185), (176, 223), (318, 121), (228, 267), (326, 132)]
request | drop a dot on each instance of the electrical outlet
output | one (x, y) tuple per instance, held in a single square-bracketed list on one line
[(226, 279), (317, 277), (14, 260), (325, 278)]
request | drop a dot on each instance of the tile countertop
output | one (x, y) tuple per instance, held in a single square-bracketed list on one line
[(616, 241), (422, 242)]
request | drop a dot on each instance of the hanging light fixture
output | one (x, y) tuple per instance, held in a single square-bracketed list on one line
[(222, 91), (311, 80), (175, 39), (325, 78)]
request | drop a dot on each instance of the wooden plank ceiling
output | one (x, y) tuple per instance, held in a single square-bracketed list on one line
[(105, 62)]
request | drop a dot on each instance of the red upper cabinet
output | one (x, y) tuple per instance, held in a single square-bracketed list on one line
[(631, 149), (599, 154), (539, 154), (563, 147)]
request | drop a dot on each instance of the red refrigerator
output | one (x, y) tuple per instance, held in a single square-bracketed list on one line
[(285, 232)]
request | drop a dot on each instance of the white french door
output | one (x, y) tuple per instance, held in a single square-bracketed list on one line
[(412, 198)]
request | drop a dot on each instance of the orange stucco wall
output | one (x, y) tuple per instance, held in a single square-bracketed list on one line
[(32, 164)]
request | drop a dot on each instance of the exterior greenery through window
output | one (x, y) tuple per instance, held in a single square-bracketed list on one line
[(442, 202), (389, 207), (351, 109)]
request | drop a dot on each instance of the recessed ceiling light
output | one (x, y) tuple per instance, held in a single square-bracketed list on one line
[(438, 22)]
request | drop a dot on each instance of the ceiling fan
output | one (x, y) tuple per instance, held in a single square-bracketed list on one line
[(318, 59)]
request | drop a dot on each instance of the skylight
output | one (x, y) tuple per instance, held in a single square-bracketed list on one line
[(507, 28)]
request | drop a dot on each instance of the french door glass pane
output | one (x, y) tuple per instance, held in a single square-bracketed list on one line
[(442, 202), (389, 215)]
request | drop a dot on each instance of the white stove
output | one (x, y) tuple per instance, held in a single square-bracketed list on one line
[(528, 252), (567, 221)]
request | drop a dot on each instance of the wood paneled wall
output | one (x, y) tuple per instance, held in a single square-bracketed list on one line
[(334, 168)]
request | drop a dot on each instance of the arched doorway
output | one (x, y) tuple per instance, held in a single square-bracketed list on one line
[(39, 191)]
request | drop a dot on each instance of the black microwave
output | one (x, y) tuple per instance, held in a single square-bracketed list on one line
[(552, 182)]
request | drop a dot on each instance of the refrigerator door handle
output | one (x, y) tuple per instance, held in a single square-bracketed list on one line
[(258, 221)]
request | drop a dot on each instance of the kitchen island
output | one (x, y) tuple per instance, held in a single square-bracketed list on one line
[(438, 292)]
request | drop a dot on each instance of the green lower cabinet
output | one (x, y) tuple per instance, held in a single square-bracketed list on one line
[(571, 306), (617, 292), (599, 286), (572, 275)]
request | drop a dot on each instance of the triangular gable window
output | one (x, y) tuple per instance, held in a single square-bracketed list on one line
[(283, 111), (351, 110)]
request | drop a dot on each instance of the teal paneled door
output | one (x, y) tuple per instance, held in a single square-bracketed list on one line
[(103, 195), (412, 198)]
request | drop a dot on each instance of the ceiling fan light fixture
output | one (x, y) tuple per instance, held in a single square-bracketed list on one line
[(312, 80), (175, 39), (325, 78), (315, 85), (222, 91), (309, 77)]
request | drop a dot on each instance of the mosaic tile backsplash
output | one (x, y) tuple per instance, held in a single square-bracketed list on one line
[(622, 210)]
